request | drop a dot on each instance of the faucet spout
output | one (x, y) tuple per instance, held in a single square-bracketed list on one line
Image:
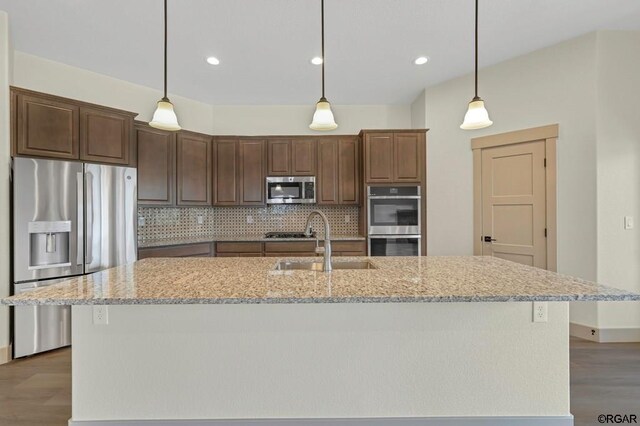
[(327, 236)]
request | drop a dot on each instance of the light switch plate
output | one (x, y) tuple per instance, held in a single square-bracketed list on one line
[(249, 219), (347, 218), (200, 219), (141, 221), (628, 222)]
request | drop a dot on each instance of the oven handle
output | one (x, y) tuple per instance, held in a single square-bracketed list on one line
[(388, 237), (394, 197)]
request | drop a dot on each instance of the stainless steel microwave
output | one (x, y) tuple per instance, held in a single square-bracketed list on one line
[(291, 190)]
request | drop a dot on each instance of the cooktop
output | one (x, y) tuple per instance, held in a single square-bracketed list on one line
[(280, 234)]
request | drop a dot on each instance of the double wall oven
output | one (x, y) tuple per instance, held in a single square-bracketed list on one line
[(393, 220)]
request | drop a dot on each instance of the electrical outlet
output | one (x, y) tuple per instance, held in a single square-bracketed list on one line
[(249, 219), (347, 218), (141, 221), (200, 219), (540, 311), (100, 315)]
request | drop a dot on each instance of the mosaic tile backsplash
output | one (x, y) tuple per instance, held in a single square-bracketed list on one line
[(172, 222)]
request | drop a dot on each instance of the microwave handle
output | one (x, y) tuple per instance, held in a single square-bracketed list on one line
[(389, 237)]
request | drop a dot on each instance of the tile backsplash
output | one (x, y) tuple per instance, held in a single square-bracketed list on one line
[(172, 222)]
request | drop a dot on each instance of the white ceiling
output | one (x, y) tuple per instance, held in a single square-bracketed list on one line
[(265, 45)]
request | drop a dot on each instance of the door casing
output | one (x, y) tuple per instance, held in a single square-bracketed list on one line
[(549, 134)]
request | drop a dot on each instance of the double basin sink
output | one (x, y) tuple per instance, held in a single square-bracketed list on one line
[(287, 265)]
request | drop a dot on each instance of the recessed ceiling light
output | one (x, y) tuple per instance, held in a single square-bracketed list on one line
[(317, 60), (213, 60), (421, 60)]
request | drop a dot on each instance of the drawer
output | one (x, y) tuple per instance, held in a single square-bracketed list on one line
[(351, 246), (187, 250), (239, 255), (290, 247), (234, 247), (350, 253), (291, 254)]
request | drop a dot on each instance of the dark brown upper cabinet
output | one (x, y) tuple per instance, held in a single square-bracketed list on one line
[(225, 172), (156, 166), (338, 170), (408, 155), (251, 172), (47, 127), (327, 180), (291, 157), (303, 157), (193, 169), (59, 128), (105, 136), (349, 170), (239, 172), (393, 157)]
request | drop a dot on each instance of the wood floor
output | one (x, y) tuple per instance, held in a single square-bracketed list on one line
[(605, 378)]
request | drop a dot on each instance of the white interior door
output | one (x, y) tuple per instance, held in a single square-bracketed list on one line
[(514, 203)]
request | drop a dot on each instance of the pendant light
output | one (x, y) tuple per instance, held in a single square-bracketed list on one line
[(323, 117), (477, 116), (165, 118)]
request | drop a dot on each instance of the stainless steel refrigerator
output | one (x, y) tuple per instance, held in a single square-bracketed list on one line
[(69, 219)]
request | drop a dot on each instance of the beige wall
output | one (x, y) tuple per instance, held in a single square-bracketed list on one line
[(418, 112), (295, 119), (590, 86), (33, 72), (618, 159), (5, 76), (552, 85)]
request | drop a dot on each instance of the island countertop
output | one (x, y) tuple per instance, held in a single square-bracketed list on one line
[(254, 280)]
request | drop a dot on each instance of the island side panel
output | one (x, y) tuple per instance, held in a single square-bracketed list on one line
[(320, 361)]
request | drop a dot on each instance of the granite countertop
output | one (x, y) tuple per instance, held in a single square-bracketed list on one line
[(211, 238), (254, 280)]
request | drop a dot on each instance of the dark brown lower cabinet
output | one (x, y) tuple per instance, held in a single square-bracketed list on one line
[(185, 250), (239, 249)]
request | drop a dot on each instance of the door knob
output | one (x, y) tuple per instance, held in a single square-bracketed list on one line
[(488, 239)]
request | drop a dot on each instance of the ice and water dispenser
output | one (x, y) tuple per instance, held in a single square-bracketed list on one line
[(49, 244)]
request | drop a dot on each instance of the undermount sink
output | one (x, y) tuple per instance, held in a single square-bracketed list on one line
[(287, 265)]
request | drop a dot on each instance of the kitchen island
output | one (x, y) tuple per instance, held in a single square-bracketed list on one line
[(426, 340)]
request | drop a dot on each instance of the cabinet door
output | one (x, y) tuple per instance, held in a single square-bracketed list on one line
[(225, 172), (379, 157), (349, 170), (303, 157), (407, 155), (47, 128), (194, 169), (156, 166), (252, 172), (327, 182), (105, 136), (279, 157)]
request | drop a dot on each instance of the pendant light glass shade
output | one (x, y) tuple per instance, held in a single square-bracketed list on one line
[(323, 117), (165, 118), (477, 116)]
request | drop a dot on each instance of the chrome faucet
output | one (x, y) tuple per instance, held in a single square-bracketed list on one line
[(327, 240)]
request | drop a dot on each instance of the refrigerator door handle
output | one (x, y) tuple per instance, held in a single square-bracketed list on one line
[(89, 211), (80, 218)]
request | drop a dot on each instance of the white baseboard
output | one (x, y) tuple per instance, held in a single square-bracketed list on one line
[(390, 421), (605, 335), (5, 354)]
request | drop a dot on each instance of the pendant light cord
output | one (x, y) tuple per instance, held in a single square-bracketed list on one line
[(322, 36), (165, 49), (476, 49)]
